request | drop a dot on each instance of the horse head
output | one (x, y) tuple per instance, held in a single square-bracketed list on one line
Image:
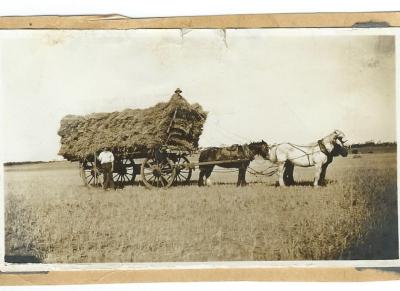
[(260, 148), (339, 150), (340, 136), (335, 143)]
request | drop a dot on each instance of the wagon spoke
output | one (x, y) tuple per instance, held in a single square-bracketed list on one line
[(157, 174), (162, 179), (183, 174)]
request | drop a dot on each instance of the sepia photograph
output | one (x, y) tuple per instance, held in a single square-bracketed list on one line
[(199, 145)]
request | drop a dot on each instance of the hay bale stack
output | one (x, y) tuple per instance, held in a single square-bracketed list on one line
[(176, 123)]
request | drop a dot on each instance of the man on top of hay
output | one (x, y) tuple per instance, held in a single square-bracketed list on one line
[(106, 159)]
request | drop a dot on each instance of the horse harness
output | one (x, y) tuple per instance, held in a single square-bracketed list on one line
[(236, 149), (305, 153), (322, 148)]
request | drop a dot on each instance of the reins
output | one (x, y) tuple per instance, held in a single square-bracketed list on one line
[(265, 172)]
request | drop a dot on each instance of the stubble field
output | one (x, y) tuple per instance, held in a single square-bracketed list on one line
[(51, 217)]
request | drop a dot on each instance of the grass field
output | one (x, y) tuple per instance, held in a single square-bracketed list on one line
[(51, 217)]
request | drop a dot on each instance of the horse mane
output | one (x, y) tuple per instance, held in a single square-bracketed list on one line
[(330, 137)]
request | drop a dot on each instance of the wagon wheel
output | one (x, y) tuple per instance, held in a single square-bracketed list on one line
[(124, 171), (157, 173), (90, 173), (183, 174)]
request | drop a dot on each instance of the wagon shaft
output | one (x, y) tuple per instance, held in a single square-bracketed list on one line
[(193, 165)]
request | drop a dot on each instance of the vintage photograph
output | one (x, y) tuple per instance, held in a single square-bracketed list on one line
[(202, 145)]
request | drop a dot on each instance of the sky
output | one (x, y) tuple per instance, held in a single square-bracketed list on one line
[(276, 85)]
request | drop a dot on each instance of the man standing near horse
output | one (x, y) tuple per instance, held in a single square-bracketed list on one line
[(106, 159)]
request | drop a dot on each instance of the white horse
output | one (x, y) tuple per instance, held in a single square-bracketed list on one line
[(319, 155)]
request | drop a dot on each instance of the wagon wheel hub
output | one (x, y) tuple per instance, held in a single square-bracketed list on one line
[(122, 171), (157, 171)]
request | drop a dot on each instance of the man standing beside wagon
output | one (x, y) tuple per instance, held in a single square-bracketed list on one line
[(106, 159)]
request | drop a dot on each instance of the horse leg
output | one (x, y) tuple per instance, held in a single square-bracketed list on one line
[(290, 173), (281, 171), (242, 177), (239, 181), (321, 180), (286, 173), (208, 174), (244, 183), (201, 178), (318, 170)]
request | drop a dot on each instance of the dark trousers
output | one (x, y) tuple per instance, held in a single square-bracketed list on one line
[(108, 176)]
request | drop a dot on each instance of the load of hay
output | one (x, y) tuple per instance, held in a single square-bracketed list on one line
[(176, 124)]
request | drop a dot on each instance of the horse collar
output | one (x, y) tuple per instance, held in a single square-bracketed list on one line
[(323, 149)]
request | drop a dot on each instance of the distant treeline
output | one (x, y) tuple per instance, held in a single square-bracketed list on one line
[(374, 144), (25, 163), (373, 147)]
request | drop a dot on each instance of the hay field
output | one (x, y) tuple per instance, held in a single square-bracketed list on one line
[(52, 218)]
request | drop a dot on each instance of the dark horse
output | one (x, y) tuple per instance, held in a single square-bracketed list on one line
[(245, 153)]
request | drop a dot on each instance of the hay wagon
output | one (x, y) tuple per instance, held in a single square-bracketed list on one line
[(153, 142)]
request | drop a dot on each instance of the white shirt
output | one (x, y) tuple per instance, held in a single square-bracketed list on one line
[(106, 157)]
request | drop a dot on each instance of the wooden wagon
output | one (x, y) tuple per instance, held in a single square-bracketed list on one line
[(154, 143)]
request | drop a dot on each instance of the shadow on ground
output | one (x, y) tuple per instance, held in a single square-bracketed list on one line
[(22, 259)]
